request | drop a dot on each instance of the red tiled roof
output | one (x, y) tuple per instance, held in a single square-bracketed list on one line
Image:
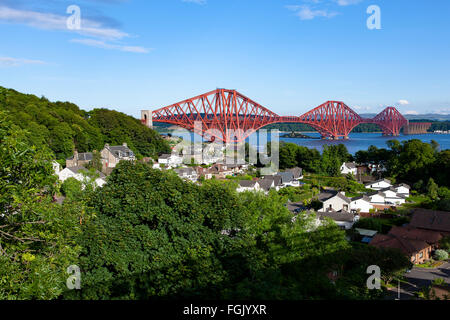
[(412, 233), (407, 246), (431, 220)]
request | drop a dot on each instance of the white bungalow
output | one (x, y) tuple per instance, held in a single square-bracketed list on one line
[(377, 198), (361, 204), (187, 174), (56, 167), (248, 185), (76, 173), (379, 184), (333, 201), (170, 160), (349, 167), (402, 189)]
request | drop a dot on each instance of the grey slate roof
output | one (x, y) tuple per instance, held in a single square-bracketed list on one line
[(85, 156), (286, 177), (373, 182), (364, 197), (275, 179), (120, 151), (295, 207), (350, 165), (324, 196), (187, 171), (340, 195), (402, 185), (247, 183), (78, 168), (342, 216), (265, 184), (297, 172)]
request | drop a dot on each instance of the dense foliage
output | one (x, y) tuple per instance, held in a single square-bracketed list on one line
[(156, 236), (411, 161), (328, 163), (63, 126), (37, 236)]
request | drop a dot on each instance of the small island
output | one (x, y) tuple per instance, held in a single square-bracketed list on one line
[(294, 134)]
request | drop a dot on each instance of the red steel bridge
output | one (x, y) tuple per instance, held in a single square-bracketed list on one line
[(232, 117)]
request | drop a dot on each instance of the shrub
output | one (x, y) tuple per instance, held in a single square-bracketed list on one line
[(71, 188), (441, 255), (439, 281)]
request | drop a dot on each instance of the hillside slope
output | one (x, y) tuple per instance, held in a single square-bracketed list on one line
[(64, 126)]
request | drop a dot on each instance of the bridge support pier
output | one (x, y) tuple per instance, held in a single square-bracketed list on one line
[(146, 118)]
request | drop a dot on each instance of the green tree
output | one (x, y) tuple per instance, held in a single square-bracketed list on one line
[(432, 189), (36, 235), (71, 188), (96, 162)]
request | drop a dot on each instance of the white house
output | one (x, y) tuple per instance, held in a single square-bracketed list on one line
[(297, 173), (277, 181), (100, 182), (287, 179), (392, 197), (377, 198), (361, 204), (75, 172), (266, 184), (402, 189), (248, 185), (56, 167), (349, 167), (345, 220), (333, 201), (170, 160), (187, 174), (156, 166), (379, 184)]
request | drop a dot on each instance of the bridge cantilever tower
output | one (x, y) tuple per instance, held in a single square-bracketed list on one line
[(333, 119), (390, 121), (232, 117), (223, 114)]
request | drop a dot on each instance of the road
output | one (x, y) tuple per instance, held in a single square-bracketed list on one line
[(419, 278)]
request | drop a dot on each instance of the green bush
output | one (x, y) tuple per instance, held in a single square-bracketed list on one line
[(71, 188), (441, 255)]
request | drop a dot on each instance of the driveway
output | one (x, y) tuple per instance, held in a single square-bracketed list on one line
[(419, 278)]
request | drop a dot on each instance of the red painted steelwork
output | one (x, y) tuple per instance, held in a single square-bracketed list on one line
[(232, 117)]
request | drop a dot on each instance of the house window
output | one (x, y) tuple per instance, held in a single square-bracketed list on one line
[(421, 255), (345, 207)]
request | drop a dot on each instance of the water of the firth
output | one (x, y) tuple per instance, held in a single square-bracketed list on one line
[(356, 141)]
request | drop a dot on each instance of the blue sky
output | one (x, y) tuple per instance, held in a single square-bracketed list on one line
[(288, 55)]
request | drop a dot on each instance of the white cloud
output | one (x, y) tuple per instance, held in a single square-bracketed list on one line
[(105, 45), (414, 112), (15, 62), (48, 21), (403, 102), (347, 2), (305, 12)]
